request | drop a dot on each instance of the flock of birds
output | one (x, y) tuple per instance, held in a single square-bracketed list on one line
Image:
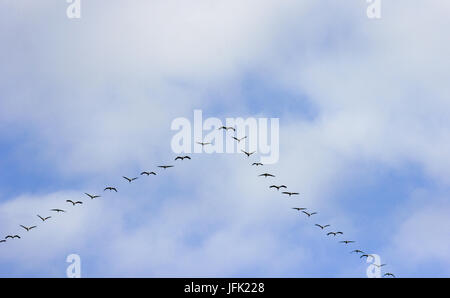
[(303, 210)]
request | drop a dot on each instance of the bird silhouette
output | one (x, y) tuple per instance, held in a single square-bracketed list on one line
[(278, 187), (129, 179), (2, 241), (28, 228), (347, 241), (110, 189), (248, 153), (379, 266), (203, 144), (74, 203), (357, 251), (182, 157), (309, 214), (389, 274), (165, 167), (334, 233), (239, 140), (92, 196), (299, 209), (266, 175), (257, 164), (12, 236), (148, 173), (57, 210), (227, 128), (322, 227), (290, 193), (44, 218)]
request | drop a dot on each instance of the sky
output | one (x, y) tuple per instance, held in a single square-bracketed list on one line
[(364, 111)]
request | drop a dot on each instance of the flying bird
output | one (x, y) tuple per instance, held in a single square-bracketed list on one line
[(203, 144), (182, 157), (92, 196), (389, 274), (12, 236), (165, 167), (322, 227), (148, 173), (74, 203), (290, 193), (227, 128), (257, 164), (28, 228), (248, 153), (299, 209), (357, 251), (266, 175), (129, 179), (110, 188), (379, 266), (44, 218), (278, 187), (2, 241), (57, 210), (309, 214), (334, 233), (239, 140), (347, 241)]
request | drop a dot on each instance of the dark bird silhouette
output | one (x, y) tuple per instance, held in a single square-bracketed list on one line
[(203, 144), (357, 251), (389, 274), (365, 256), (334, 233), (148, 173), (239, 140), (322, 227), (299, 209), (266, 175), (2, 241), (74, 203), (92, 196), (165, 167), (110, 188), (57, 210), (309, 214), (44, 218), (12, 236), (257, 164), (347, 241), (28, 228), (278, 187), (290, 193), (129, 179), (182, 157), (227, 128), (248, 153)]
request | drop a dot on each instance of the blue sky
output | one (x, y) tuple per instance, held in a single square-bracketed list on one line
[(364, 119)]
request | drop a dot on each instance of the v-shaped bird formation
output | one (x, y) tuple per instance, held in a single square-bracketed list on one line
[(303, 210)]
